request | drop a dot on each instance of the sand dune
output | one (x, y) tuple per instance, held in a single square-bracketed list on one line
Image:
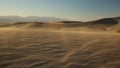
[(43, 48), (102, 24), (69, 44)]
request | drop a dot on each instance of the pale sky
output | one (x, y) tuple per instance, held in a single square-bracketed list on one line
[(83, 10)]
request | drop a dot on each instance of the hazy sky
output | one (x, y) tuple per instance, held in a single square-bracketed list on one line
[(69, 9)]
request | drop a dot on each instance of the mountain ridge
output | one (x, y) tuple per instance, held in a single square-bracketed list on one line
[(14, 19)]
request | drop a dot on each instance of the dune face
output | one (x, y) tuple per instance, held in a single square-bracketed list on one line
[(43, 48), (104, 24), (107, 21), (28, 24), (69, 44)]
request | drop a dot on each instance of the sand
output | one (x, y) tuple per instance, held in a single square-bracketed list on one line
[(49, 48)]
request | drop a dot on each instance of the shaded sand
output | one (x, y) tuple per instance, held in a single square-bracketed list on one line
[(44, 48)]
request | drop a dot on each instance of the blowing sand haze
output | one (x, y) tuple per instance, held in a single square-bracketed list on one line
[(36, 45), (59, 33)]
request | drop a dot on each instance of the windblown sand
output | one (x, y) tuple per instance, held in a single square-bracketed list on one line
[(44, 48)]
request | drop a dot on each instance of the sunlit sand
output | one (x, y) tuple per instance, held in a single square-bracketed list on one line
[(58, 48)]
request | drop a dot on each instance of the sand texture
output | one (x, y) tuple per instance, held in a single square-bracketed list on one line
[(46, 48)]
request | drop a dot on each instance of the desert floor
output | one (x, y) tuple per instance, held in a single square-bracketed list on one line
[(49, 48)]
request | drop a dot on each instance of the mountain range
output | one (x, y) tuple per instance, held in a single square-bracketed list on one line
[(13, 19)]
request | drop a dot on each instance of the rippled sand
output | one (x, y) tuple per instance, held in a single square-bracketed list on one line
[(43, 48)]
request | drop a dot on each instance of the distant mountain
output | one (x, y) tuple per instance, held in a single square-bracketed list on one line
[(13, 19)]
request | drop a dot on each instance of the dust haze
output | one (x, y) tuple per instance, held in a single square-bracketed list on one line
[(62, 44)]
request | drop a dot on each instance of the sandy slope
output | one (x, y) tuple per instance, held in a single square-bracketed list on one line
[(43, 48)]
